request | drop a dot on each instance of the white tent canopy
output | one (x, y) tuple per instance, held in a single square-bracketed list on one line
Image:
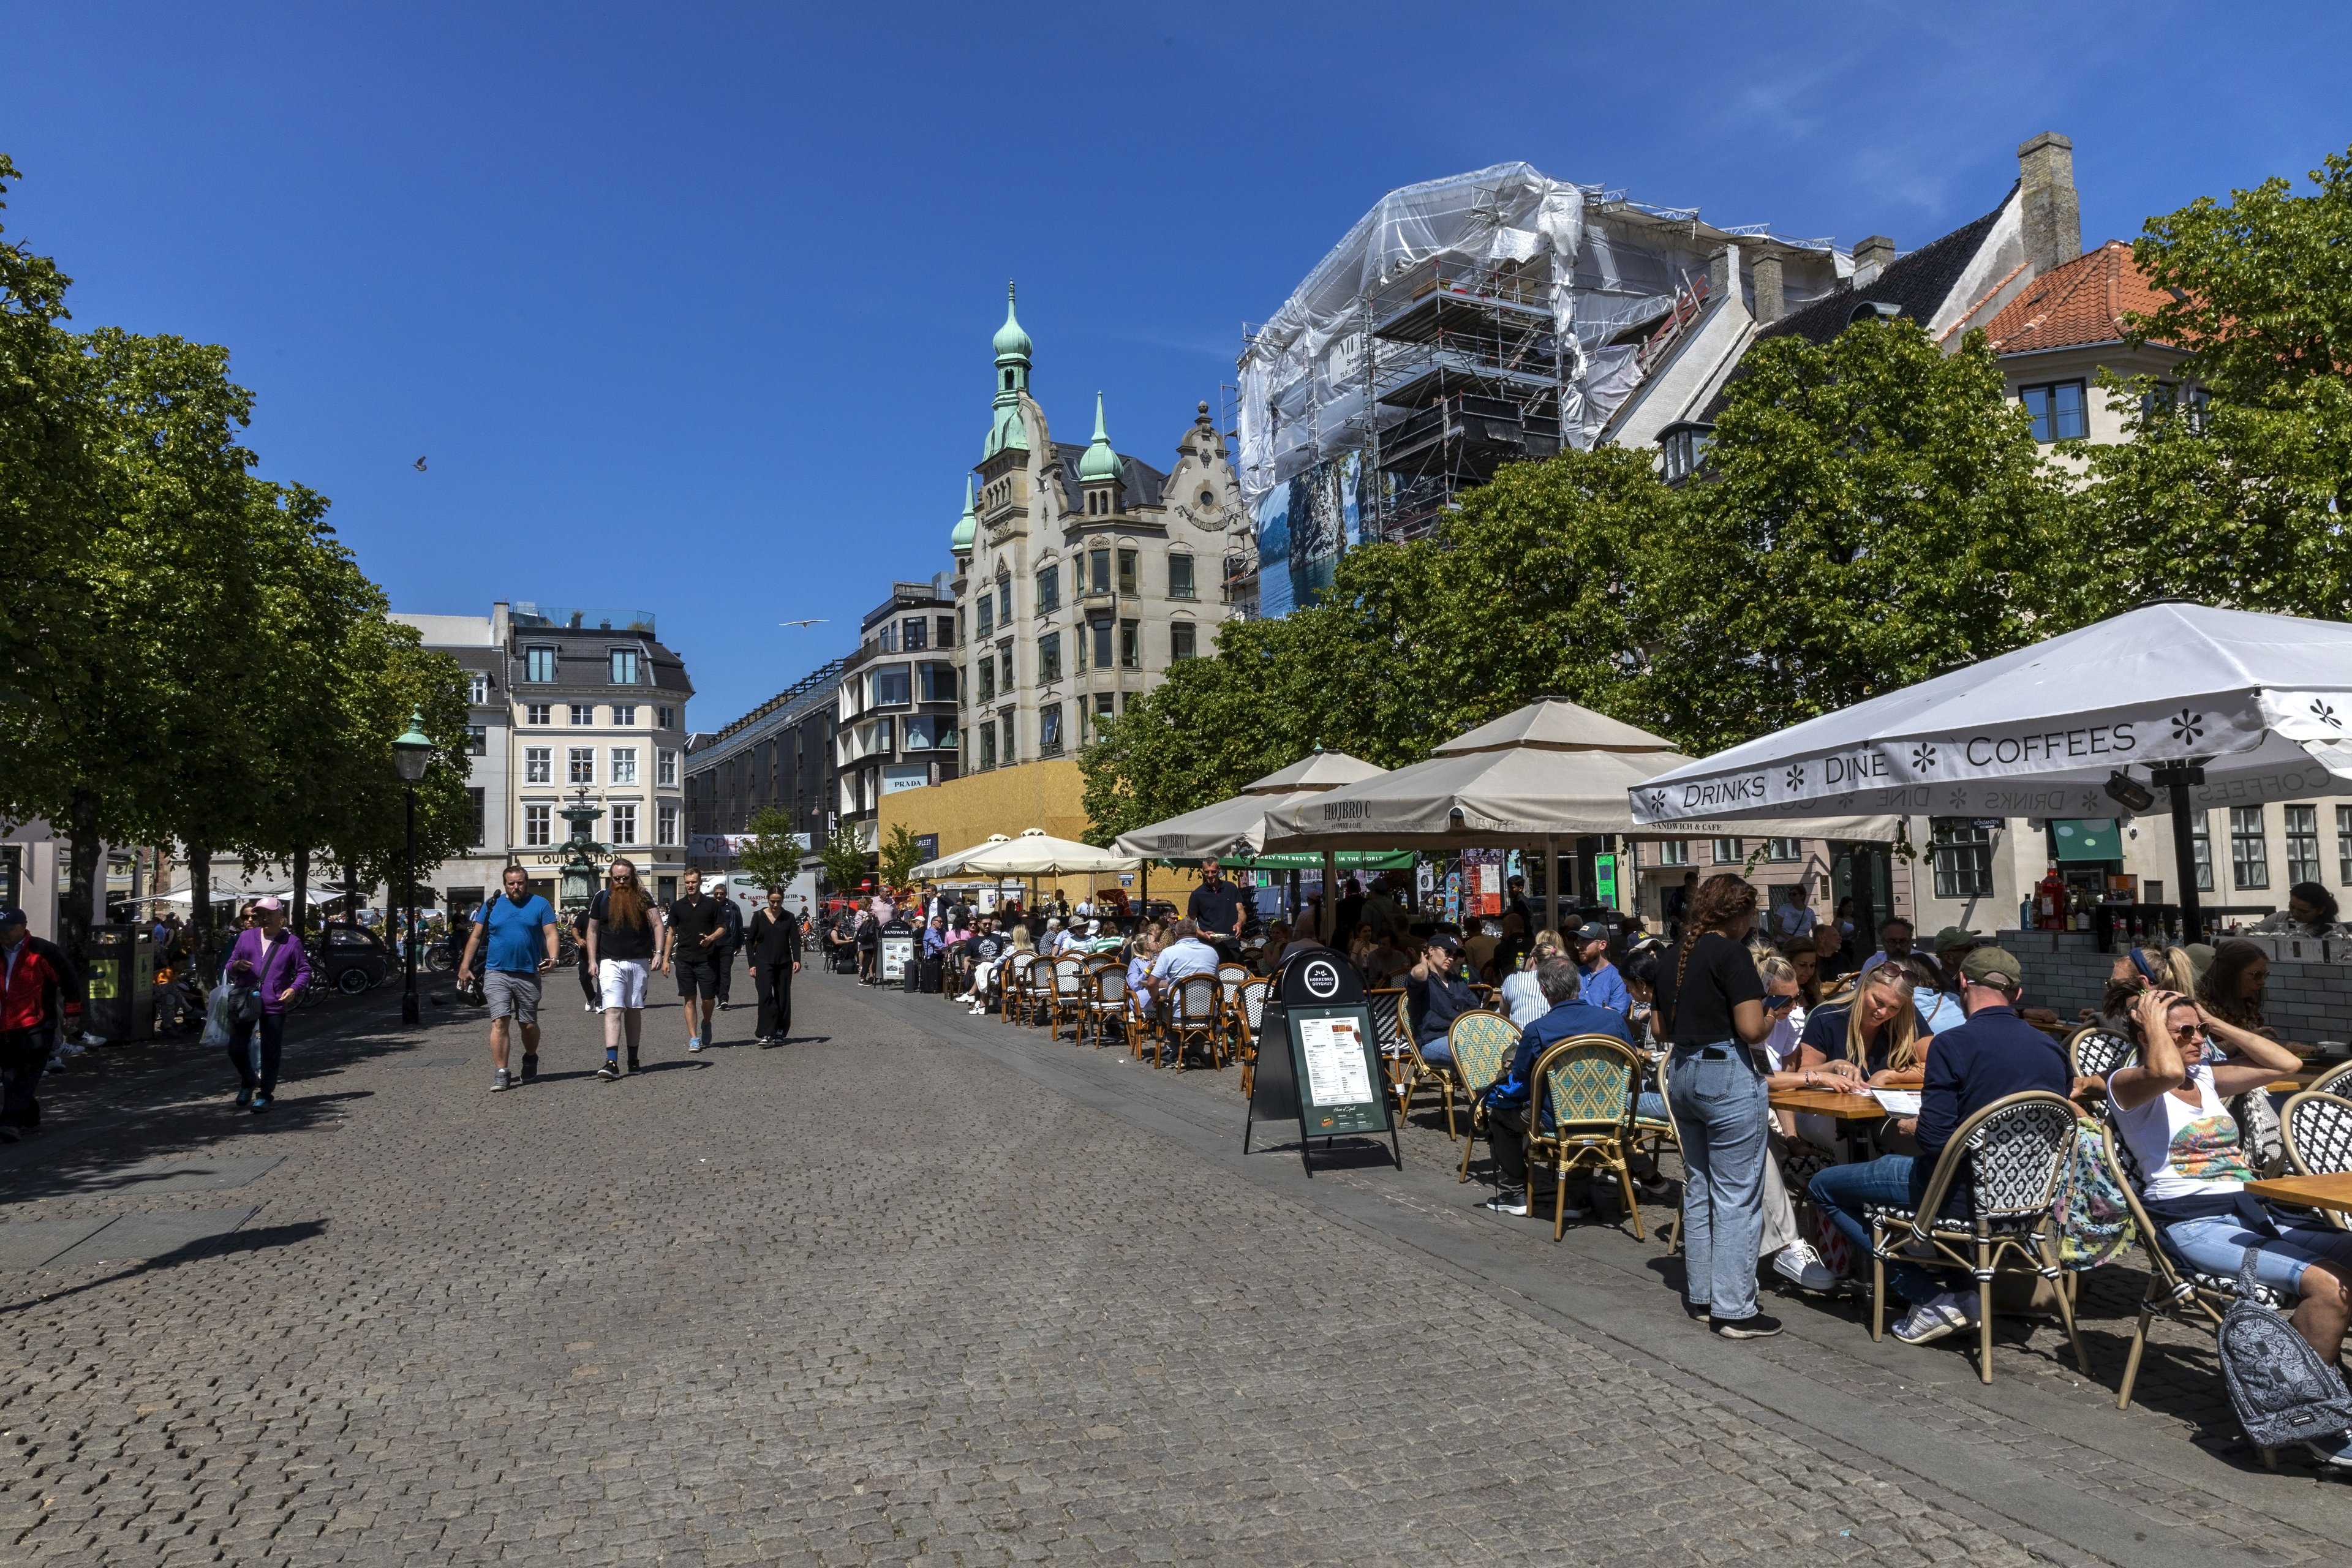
[(1238, 826), (2264, 700), (1035, 853)]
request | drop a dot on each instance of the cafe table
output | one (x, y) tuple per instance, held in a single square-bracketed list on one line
[(1854, 1114), (2332, 1191)]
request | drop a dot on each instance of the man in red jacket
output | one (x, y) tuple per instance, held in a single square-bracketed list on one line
[(36, 978)]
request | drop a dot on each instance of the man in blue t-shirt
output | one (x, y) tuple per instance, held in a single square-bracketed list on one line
[(521, 930), (1600, 984)]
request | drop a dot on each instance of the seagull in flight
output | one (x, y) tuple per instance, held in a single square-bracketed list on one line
[(812, 621), (420, 465)]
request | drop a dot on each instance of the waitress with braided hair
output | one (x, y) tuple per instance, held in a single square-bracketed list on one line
[(1710, 1014)]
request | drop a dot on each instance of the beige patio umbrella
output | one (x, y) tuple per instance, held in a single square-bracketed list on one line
[(1552, 770), (1237, 825), (1035, 853), (951, 864)]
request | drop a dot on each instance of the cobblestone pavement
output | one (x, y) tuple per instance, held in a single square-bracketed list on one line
[(922, 1288)]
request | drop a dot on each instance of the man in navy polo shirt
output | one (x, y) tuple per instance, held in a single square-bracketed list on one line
[(1507, 1103), (521, 930)]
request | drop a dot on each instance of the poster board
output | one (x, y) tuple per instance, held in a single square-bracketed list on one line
[(898, 951), (1318, 1060)]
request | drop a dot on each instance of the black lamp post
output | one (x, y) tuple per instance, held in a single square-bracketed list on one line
[(409, 755)]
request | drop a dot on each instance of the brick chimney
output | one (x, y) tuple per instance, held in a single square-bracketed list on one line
[(1871, 256), (1723, 272), (2054, 219), (1770, 302)]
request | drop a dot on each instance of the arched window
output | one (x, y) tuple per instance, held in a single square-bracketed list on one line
[(1008, 380)]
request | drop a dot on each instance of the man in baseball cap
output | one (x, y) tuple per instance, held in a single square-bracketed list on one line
[(1437, 994), (36, 980), (1995, 1054), (1602, 986)]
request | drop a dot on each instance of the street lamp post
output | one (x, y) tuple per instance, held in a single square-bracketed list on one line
[(409, 755)]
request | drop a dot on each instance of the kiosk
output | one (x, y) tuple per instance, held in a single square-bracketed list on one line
[(1318, 1059)]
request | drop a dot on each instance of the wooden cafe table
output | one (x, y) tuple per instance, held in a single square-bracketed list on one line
[(1855, 1114), (2325, 1192)]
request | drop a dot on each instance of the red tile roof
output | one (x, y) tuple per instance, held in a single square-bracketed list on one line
[(2084, 302)]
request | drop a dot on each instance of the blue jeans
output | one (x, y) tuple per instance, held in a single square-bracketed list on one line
[(2216, 1246), (1841, 1191), (1722, 1119), (1437, 1051)]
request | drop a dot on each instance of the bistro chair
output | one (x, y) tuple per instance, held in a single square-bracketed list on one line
[(2335, 1080), (2095, 1052), (1655, 1137), (1584, 1086), (1249, 1019), (1069, 1000), (1106, 1003), (1013, 985), (2174, 1291), (2016, 1151), (1482, 1044), (1401, 1064), (2317, 1128), (1195, 1015)]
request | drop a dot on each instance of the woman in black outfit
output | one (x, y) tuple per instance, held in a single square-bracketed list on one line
[(1710, 1012)]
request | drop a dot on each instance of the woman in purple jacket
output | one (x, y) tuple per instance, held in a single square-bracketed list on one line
[(269, 957)]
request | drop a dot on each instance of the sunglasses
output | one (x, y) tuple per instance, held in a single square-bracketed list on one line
[(2188, 1032), (1778, 1003)]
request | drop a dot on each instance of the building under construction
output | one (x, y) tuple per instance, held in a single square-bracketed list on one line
[(1462, 324)]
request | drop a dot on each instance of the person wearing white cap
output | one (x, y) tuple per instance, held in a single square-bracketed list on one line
[(267, 969)]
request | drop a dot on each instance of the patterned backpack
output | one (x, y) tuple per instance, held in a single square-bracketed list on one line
[(2283, 1389), (2094, 1222)]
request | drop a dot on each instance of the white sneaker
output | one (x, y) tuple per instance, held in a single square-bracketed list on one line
[(2333, 1452), (1799, 1265), (695, 1044), (1930, 1323)]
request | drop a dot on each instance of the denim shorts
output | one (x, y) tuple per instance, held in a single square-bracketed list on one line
[(2216, 1244)]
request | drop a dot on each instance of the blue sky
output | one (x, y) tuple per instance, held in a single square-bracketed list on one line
[(687, 308)]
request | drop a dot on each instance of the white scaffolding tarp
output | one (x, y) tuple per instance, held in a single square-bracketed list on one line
[(1613, 264)]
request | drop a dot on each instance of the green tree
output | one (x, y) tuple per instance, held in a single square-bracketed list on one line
[(2238, 498), (1873, 511), (843, 859), (899, 855), (772, 854)]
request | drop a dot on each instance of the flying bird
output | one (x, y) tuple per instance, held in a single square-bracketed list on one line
[(813, 621), (420, 465)]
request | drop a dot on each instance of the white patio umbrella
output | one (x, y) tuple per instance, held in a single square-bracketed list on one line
[(952, 864), (2214, 707), (1552, 770), (1035, 853)]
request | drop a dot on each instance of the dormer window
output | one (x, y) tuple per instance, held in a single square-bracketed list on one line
[(1681, 448)]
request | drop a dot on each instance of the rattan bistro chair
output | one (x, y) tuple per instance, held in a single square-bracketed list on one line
[(1106, 1003), (1400, 1060), (1069, 997), (1249, 1021), (1013, 985), (2335, 1080), (1482, 1044), (1195, 1015), (1584, 1088), (2095, 1052), (2016, 1151), (2317, 1131)]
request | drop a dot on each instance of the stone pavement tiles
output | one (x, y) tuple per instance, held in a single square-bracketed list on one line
[(923, 1289)]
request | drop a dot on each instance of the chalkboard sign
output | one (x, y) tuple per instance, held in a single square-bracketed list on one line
[(1318, 1059)]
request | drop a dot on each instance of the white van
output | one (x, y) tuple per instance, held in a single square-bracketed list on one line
[(749, 896)]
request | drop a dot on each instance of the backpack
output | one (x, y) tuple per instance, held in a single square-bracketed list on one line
[(2284, 1391), (2094, 1223)]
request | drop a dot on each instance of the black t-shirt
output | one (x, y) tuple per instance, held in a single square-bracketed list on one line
[(1720, 974), (1825, 1029), (1214, 905), (984, 947), (615, 940), (693, 916)]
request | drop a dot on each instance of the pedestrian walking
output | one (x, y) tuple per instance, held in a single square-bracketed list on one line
[(729, 945), (690, 949), (37, 979), (623, 936), (592, 995), (267, 969), (520, 930), (1710, 1001), (774, 942)]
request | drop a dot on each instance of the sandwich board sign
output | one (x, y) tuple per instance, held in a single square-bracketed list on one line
[(1318, 1060)]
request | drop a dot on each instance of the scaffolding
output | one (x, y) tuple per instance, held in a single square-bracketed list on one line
[(1462, 324)]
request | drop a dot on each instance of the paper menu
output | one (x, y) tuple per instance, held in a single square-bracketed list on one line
[(1333, 1052), (1898, 1101)]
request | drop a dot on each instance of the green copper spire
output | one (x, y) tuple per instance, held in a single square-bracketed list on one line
[(1006, 430), (1100, 464), (959, 542)]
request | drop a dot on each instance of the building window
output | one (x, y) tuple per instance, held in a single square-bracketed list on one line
[(664, 717), (987, 678), (2201, 850), (624, 822), (1004, 735), (938, 682), (583, 713), (666, 823), (946, 630), (987, 743), (916, 634), (890, 685), (665, 768), (538, 664), (986, 619), (536, 821), (625, 715), (1102, 644), (1049, 658), (1179, 576), (538, 764), (2057, 410), (2249, 866), (1781, 849), (478, 741), (625, 764), (1099, 559), (538, 713), (477, 688), (625, 666), (1728, 852), (1681, 450), (1049, 589), (1004, 666), (1675, 852), (1180, 644), (583, 764), (1004, 599), (479, 800), (2302, 844), (1962, 853), (1049, 730), (1131, 644), (1127, 560), (2344, 844)]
